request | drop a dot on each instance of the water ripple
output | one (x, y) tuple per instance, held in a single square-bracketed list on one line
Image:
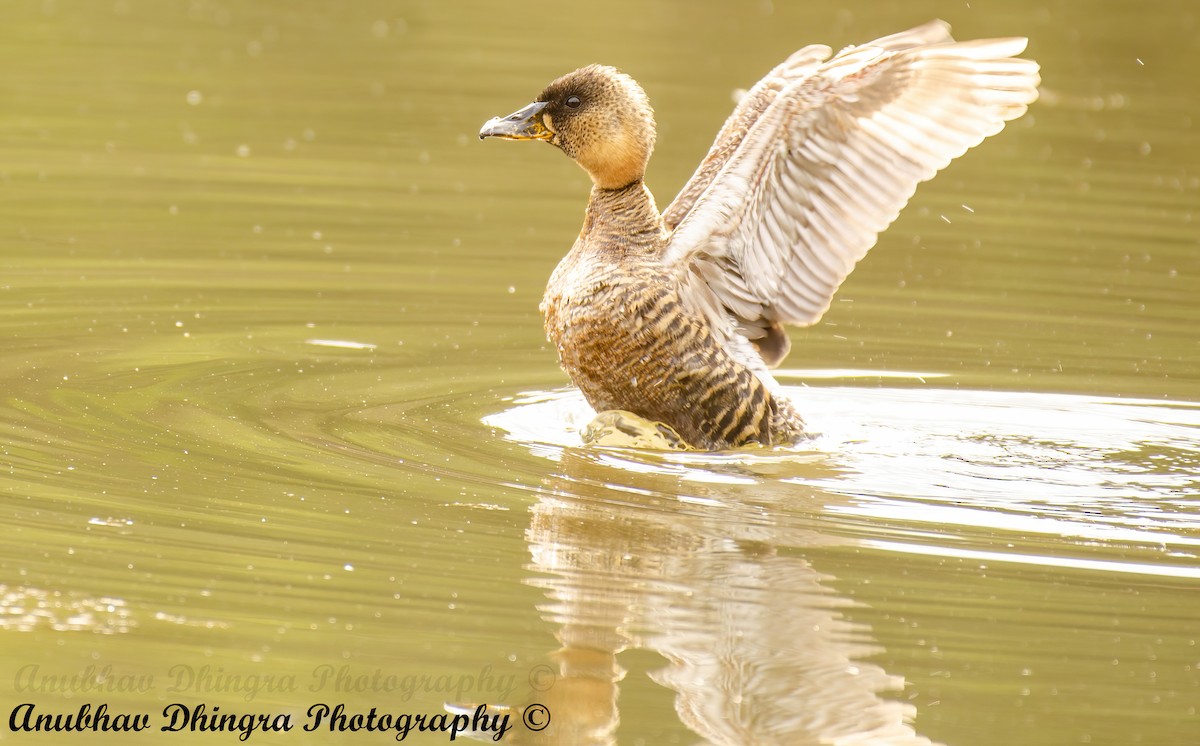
[(950, 471)]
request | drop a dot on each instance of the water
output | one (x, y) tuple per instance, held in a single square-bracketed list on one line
[(280, 426)]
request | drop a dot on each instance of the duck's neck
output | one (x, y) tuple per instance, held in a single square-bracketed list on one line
[(624, 221)]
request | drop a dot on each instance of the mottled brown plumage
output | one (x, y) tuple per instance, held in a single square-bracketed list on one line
[(630, 342), (676, 316)]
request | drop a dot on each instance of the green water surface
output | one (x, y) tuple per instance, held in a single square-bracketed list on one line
[(279, 425)]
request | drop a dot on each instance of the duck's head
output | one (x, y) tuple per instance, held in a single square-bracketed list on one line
[(597, 115)]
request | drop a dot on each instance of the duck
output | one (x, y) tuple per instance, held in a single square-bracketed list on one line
[(678, 315)]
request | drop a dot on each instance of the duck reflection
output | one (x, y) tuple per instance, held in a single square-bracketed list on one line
[(758, 651)]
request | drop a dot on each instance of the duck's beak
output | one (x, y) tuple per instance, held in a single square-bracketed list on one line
[(526, 124)]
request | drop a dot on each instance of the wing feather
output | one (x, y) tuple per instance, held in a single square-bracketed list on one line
[(802, 65), (819, 157)]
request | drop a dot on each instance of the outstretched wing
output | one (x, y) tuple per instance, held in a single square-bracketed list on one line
[(818, 159), (800, 66)]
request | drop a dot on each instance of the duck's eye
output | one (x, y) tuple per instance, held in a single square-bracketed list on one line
[(573, 102)]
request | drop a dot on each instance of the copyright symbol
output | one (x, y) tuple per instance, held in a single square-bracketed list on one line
[(536, 717), (541, 678)]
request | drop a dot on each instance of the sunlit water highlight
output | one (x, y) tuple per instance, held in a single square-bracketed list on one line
[(1086, 468)]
